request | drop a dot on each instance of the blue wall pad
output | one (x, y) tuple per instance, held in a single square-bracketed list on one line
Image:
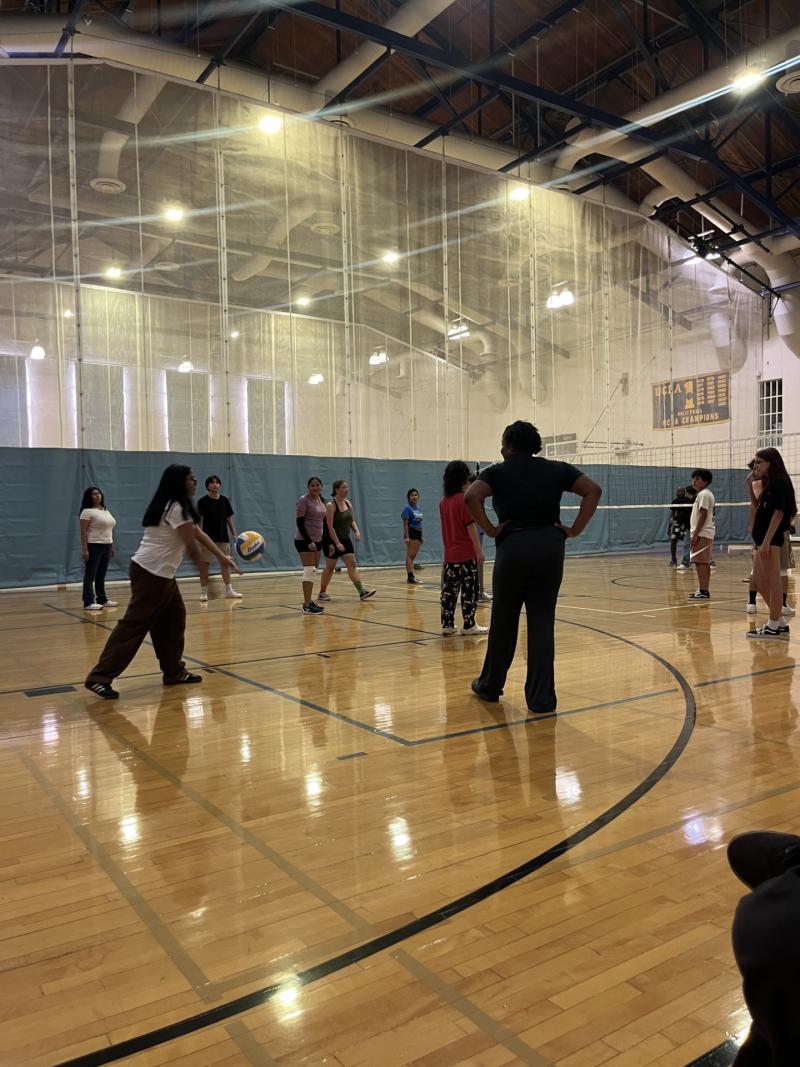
[(40, 544)]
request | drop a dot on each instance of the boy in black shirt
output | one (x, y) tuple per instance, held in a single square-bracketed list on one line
[(216, 521)]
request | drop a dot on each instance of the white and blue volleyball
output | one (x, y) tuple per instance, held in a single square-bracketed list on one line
[(250, 546)]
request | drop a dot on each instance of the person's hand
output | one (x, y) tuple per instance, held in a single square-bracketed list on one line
[(113, 552), (234, 566), (358, 535), (749, 479), (693, 544), (496, 530), (480, 558), (85, 554), (406, 540), (764, 547), (339, 547), (311, 547), (566, 530)]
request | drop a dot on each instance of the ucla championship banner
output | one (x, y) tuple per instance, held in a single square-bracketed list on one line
[(692, 401)]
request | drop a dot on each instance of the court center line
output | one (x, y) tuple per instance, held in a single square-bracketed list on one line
[(221, 1013), (193, 974), (500, 1034)]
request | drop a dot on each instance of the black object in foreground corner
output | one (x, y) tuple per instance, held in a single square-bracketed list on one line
[(721, 1056)]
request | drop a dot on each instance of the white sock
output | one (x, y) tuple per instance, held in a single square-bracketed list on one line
[(774, 624), (229, 588)]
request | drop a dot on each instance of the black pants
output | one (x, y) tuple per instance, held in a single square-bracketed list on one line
[(455, 577), (94, 574), (528, 570), (156, 607)]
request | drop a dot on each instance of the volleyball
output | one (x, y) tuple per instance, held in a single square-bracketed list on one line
[(249, 546)]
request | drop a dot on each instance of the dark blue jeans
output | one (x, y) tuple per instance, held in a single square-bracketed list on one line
[(94, 575)]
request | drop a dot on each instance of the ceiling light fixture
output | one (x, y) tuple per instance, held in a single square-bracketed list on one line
[(390, 257), (749, 80), (270, 123), (316, 379), (519, 192), (378, 357), (459, 331), (175, 213), (235, 334), (68, 313), (560, 298), (185, 367), (303, 301), (37, 352), (113, 272)]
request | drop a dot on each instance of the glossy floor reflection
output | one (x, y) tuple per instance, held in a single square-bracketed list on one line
[(333, 781)]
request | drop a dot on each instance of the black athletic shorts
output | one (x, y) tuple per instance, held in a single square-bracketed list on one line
[(414, 535), (302, 546), (332, 552)]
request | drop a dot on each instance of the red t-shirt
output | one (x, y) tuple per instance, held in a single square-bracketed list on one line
[(455, 518)]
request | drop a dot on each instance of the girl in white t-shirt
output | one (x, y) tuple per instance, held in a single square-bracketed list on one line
[(156, 606), (97, 548)]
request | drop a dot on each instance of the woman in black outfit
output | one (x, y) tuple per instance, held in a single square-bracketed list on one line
[(526, 493), (771, 514)]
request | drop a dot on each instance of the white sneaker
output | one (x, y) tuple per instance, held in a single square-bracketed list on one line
[(204, 595), (751, 609), (110, 604), (93, 607), (448, 631), (786, 610), (471, 630), (484, 598), (682, 567), (231, 594)]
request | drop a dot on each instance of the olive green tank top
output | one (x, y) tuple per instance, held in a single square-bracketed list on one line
[(342, 521)]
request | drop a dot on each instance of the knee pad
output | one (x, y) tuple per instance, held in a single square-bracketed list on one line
[(308, 574)]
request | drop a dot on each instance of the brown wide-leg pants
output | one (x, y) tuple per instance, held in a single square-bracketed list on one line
[(156, 607)]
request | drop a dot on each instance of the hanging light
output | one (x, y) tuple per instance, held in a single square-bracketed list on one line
[(303, 301), (560, 298), (270, 123), (316, 379), (390, 257), (749, 80), (519, 192), (186, 367), (68, 313), (37, 352), (378, 357), (459, 331), (113, 272), (567, 298), (235, 334), (174, 213)]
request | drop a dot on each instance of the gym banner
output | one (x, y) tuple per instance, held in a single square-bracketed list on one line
[(692, 401)]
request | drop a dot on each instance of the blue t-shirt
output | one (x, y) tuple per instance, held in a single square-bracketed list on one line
[(413, 516)]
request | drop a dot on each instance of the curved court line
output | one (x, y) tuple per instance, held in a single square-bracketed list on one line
[(223, 1012)]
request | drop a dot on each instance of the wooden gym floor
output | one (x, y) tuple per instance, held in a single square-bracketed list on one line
[(331, 853)]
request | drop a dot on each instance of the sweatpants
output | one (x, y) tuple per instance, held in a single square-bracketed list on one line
[(156, 608), (463, 577), (528, 570)]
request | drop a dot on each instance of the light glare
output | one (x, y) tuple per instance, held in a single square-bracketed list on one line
[(271, 123), (113, 272), (174, 214), (748, 80)]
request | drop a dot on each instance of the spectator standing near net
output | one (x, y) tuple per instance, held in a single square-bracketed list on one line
[(526, 494), (701, 532), (678, 524), (216, 522)]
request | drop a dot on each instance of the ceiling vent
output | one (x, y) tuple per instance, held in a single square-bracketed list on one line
[(325, 224), (789, 83), (107, 186)]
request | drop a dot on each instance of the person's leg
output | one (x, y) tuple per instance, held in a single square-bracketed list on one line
[(89, 572), (104, 555), (354, 574), (309, 561), (469, 592), (542, 582), (673, 550), (167, 632), (327, 574), (449, 595), (507, 593), (202, 570), (752, 592), (412, 548), (148, 595), (775, 599)]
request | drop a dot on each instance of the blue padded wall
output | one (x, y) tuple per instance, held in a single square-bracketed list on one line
[(40, 543)]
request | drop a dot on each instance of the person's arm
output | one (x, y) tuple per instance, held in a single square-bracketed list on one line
[(590, 493), (476, 542), (406, 538), (356, 530), (301, 526), (229, 521), (753, 502), (332, 535), (192, 535), (85, 524), (702, 515), (474, 498)]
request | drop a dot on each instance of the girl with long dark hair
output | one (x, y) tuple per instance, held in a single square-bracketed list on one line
[(462, 552), (772, 513), (340, 522), (156, 606), (412, 533), (309, 524), (97, 548)]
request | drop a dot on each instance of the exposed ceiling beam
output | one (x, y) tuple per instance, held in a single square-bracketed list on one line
[(69, 28), (443, 130), (231, 48)]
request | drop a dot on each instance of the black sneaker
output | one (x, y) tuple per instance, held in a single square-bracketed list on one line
[(487, 697), (185, 679), (367, 594), (101, 689), (700, 596), (767, 632), (313, 609), (784, 630), (412, 579)]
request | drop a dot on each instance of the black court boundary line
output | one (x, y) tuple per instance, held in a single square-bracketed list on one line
[(722, 1055), (213, 1016)]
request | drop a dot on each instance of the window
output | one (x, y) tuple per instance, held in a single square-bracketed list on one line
[(560, 446), (770, 413), (13, 402), (266, 416), (188, 412), (103, 406)]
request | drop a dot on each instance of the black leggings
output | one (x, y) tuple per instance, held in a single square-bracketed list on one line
[(94, 574)]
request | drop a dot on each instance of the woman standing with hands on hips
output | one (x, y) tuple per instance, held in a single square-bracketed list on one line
[(97, 548), (526, 494), (772, 513), (156, 606)]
